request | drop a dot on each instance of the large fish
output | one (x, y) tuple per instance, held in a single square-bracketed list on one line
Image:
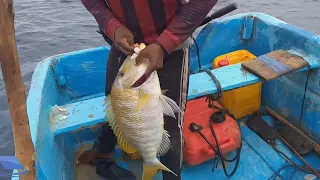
[(136, 115)]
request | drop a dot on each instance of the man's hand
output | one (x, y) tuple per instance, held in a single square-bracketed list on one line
[(153, 56), (124, 40)]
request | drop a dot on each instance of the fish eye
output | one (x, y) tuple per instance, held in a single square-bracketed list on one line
[(121, 74)]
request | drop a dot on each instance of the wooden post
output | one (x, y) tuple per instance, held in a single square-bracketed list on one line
[(15, 90)]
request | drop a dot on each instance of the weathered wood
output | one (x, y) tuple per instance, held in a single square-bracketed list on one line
[(24, 149), (259, 69), (315, 145)]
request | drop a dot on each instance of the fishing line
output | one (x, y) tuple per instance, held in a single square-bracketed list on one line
[(277, 173), (304, 96), (292, 163), (295, 171), (198, 54)]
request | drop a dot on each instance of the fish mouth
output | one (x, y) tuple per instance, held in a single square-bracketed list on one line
[(139, 82)]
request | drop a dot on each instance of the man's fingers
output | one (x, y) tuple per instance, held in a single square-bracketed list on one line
[(141, 60), (126, 52), (123, 51), (128, 44), (125, 46), (130, 41)]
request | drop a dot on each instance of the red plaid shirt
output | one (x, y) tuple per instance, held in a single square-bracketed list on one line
[(169, 22)]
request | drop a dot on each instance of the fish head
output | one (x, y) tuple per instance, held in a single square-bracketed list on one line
[(129, 72)]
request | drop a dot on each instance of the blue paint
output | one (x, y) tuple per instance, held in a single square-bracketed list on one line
[(247, 27), (92, 62), (229, 77), (81, 114), (58, 72), (75, 81), (214, 40), (262, 149)]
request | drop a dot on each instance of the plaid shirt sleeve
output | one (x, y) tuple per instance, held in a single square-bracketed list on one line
[(103, 16), (185, 23)]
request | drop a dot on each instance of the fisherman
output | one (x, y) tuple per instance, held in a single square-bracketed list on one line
[(165, 26)]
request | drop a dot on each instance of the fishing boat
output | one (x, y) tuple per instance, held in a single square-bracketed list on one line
[(65, 101)]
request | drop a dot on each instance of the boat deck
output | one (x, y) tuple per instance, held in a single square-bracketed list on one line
[(258, 160)]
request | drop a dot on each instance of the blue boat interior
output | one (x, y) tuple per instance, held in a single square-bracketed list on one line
[(65, 100)]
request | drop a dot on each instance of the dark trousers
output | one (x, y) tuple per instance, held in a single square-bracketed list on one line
[(174, 77)]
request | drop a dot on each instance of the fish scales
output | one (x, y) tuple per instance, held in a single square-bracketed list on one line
[(125, 105)]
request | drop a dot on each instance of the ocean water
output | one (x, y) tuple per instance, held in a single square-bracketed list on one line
[(45, 28)]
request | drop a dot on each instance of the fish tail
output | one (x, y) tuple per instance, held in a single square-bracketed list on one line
[(149, 171)]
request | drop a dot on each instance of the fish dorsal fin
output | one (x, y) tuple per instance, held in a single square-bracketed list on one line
[(165, 145), (169, 106), (125, 146)]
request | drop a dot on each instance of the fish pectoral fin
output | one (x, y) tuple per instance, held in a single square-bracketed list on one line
[(125, 146), (143, 101), (149, 171), (169, 106), (165, 145)]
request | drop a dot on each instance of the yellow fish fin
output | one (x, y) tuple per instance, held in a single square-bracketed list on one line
[(149, 171), (125, 146), (143, 100)]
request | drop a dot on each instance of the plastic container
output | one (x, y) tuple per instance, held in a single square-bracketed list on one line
[(196, 150), (232, 58), (241, 101)]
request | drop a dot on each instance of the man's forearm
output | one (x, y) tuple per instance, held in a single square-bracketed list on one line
[(185, 23), (104, 17)]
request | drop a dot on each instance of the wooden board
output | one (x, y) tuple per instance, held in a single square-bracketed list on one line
[(264, 72)]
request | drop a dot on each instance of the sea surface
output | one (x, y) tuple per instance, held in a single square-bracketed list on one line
[(49, 27)]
